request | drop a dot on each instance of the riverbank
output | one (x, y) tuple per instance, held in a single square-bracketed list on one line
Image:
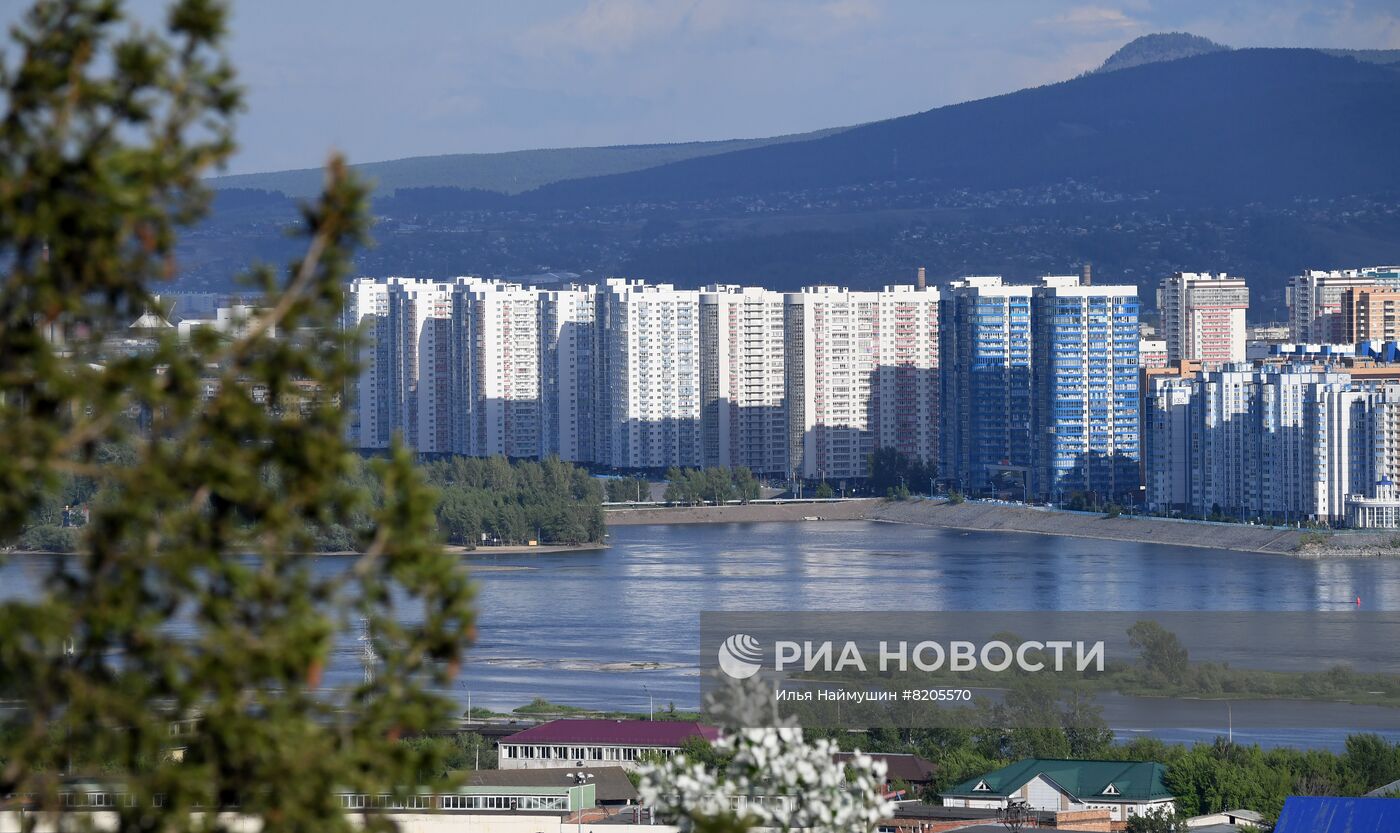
[(980, 516), (515, 549), (1001, 517), (844, 510)]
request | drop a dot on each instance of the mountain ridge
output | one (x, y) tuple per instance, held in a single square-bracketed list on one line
[(1158, 47), (1102, 124), (505, 172)]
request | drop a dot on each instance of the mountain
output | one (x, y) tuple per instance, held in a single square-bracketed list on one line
[(1166, 46), (1242, 125), (505, 173), (1259, 162)]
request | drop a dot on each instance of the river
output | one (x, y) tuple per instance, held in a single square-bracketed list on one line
[(618, 628)]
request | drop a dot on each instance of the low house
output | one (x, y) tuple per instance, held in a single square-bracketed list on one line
[(1124, 788), (902, 766), (589, 743), (1338, 815), (1227, 820)]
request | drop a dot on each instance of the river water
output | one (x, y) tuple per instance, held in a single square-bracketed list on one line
[(618, 628)]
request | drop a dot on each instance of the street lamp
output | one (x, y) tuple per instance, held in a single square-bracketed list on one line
[(580, 778)]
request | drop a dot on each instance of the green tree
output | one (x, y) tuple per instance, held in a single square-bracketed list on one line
[(1163, 656), (824, 491), (106, 133), (1160, 820)]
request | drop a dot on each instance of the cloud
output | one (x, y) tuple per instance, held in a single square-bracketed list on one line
[(613, 27), (1093, 19)]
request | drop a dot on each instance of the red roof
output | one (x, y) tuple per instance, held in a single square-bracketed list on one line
[(614, 732)]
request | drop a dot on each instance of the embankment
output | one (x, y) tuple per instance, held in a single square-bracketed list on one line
[(844, 510), (1000, 517)]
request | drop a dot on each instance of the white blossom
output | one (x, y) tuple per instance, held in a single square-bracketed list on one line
[(782, 781)]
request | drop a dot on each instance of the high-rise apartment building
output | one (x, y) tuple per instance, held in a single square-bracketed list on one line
[(1370, 313), (1315, 301), (831, 348), (1275, 442), (419, 336), (907, 391), (1152, 353), (862, 375), (1166, 436), (985, 355), (1084, 407), (1203, 317), (367, 310), (743, 389), (504, 323), (650, 366), (569, 342)]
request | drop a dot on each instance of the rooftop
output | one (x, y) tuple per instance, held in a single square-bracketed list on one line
[(900, 766), (611, 782), (665, 733), (1096, 780), (1338, 815)]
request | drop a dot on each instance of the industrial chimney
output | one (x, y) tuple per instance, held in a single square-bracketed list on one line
[(922, 282)]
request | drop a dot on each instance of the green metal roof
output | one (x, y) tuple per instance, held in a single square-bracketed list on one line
[(1085, 780)]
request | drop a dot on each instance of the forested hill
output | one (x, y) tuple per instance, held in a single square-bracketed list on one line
[(504, 173), (1238, 126)]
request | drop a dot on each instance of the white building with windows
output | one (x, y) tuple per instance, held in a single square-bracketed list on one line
[(1285, 443), (1315, 300), (367, 310), (597, 742), (569, 344), (1123, 788), (743, 388), (405, 383), (504, 327), (1152, 353), (862, 374), (1203, 317), (650, 371)]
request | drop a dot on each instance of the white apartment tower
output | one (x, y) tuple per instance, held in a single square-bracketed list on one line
[(505, 338), (568, 346), (861, 375), (650, 369), (367, 309), (906, 390), (1203, 317), (1287, 443), (419, 338), (742, 379)]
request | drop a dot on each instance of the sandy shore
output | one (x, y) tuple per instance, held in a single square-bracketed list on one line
[(1001, 517), (846, 510), (997, 517), (526, 550)]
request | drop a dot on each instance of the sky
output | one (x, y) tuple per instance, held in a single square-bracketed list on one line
[(385, 80)]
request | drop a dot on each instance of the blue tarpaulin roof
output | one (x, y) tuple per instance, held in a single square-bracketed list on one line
[(1339, 815)]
